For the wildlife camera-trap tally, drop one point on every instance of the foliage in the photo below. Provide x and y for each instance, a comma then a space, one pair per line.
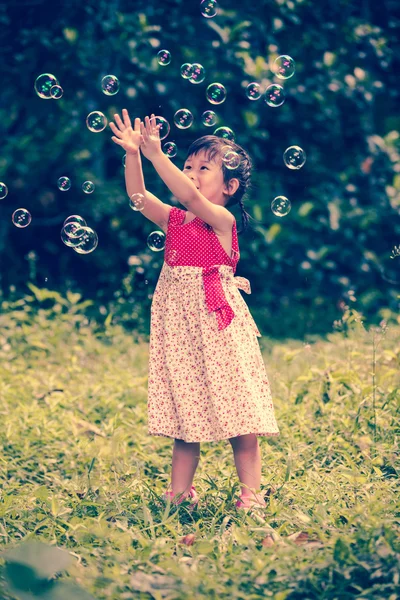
80, 472
341, 108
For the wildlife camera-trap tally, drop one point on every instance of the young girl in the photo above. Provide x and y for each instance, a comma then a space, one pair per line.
207, 380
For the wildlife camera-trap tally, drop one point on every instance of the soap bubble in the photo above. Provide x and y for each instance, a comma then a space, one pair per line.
280, 206
284, 67
183, 118
197, 73
170, 149
231, 159
164, 57
88, 187
137, 201
124, 160
209, 118
165, 127
71, 240
209, 8
21, 217
156, 241
274, 95
110, 85
75, 219
87, 242
216, 93
71, 228
253, 91
96, 121
186, 70
56, 92
71, 233
225, 132
43, 85
3, 190
294, 157
64, 184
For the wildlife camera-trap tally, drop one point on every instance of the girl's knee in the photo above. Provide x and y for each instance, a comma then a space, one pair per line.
249, 440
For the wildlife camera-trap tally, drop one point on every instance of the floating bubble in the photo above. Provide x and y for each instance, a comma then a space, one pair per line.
71, 228
216, 93
294, 157
124, 160
70, 239
274, 95
64, 184
165, 127
88, 187
209, 118
281, 206
253, 91
225, 132
197, 73
170, 149
110, 85
43, 85
164, 57
87, 242
137, 201
21, 217
3, 190
75, 219
186, 69
284, 67
56, 92
183, 118
96, 121
231, 159
156, 241
209, 8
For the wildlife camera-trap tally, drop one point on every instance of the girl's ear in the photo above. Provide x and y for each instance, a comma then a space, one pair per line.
233, 186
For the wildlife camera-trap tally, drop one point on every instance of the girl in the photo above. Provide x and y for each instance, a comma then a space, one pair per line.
207, 380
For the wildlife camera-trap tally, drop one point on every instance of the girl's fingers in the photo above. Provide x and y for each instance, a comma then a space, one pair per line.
137, 124
127, 120
115, 131
117, 141
119, 122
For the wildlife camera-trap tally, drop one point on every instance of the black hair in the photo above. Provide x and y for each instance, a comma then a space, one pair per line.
213, 146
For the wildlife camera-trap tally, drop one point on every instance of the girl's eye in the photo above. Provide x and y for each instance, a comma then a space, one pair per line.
204, 167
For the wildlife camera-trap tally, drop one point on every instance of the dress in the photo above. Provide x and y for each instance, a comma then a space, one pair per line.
207, 380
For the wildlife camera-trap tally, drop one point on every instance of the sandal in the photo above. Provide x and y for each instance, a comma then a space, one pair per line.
191, 495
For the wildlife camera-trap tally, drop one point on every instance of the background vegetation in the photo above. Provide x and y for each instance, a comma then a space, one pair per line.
334, 247
79, 471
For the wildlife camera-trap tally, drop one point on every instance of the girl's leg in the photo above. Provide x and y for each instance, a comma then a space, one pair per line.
185, 458
247, 456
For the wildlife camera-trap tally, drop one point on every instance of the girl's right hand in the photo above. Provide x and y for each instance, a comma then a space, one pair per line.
130, 139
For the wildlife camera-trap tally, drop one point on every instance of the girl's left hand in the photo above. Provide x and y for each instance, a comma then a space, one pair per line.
151, 145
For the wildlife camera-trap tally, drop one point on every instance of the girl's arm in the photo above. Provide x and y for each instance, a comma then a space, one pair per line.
134, 180
180, 185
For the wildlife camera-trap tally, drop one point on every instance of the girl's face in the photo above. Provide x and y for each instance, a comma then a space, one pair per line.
207, 177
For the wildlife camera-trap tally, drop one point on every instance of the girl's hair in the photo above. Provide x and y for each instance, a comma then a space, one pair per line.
213, 145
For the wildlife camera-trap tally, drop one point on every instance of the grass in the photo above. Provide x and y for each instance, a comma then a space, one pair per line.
79, 471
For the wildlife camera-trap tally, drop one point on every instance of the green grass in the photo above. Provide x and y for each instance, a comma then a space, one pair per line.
79, 471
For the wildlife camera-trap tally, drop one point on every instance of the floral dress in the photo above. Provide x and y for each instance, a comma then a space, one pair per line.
206, 378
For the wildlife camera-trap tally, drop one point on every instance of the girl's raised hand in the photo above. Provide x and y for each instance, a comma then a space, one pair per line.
151, 146
130, 139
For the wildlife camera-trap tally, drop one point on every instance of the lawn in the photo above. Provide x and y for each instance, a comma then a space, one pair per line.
79, 471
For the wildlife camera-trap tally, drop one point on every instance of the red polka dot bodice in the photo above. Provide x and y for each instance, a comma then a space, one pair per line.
196, 244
